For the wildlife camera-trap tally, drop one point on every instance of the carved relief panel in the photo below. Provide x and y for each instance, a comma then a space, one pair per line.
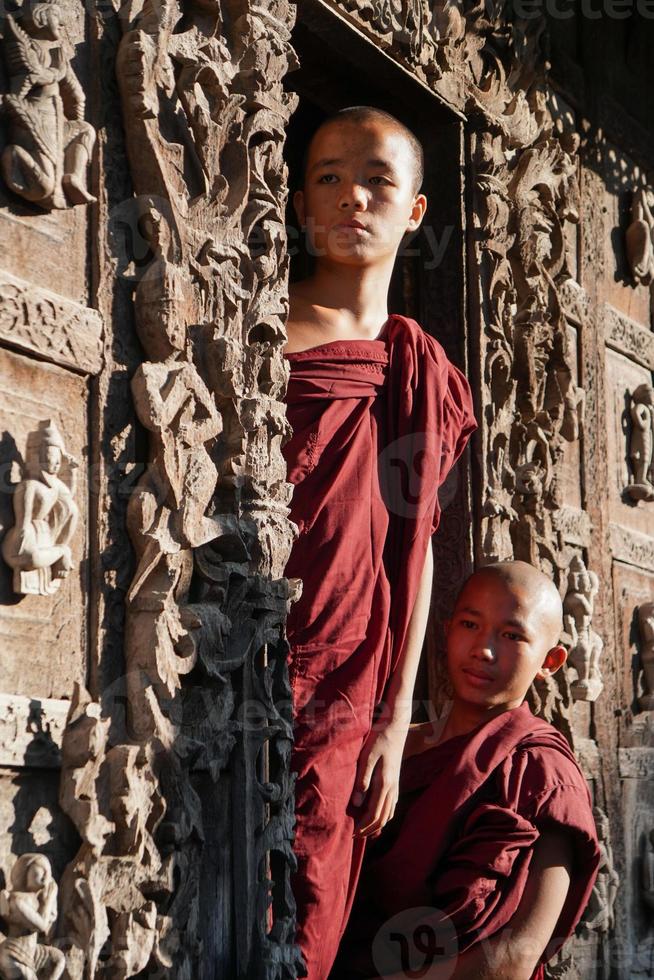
46, 144
51, 346
44, 517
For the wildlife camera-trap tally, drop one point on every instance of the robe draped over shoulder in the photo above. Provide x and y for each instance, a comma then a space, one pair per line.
471, 810
377, 425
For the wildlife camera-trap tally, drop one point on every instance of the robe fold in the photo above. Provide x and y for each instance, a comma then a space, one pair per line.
460, 844
377, 426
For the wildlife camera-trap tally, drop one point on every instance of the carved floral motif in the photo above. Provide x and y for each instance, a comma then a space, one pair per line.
50, 326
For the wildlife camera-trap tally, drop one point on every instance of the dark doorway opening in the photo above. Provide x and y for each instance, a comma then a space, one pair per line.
340, 67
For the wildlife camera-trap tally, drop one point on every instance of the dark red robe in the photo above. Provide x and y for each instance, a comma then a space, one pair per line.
377, 425
461, 841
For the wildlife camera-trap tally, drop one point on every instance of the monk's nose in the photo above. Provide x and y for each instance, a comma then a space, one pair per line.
484, 651
354, 194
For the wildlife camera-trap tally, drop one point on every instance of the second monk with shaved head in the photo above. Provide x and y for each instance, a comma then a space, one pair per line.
489, 862
379, 417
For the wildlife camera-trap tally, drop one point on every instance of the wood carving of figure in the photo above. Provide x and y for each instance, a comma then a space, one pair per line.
641, 446
49, 144
639, 238
600, 913
29, 908
38, 546
586, 646
646, 630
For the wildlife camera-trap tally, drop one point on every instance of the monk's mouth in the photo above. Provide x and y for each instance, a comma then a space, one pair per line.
478, 679
351, 227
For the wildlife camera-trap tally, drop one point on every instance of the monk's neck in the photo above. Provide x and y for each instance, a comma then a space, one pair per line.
465, 717
362, 291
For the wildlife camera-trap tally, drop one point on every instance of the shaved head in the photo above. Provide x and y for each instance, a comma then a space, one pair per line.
357, 114
533, 586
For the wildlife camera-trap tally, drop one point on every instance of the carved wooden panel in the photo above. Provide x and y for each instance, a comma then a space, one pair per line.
624, 376
55, 329
44, 635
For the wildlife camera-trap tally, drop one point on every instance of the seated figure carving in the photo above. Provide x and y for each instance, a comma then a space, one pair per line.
29, 908
38, 546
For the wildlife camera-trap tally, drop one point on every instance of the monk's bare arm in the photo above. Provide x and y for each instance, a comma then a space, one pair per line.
514, 953
398, 696
378, 769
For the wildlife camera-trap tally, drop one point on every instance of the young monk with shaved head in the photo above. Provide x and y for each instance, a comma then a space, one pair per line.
489, 862
379, 417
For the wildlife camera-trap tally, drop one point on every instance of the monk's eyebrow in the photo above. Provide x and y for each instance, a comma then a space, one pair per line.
517, 625
332, 161
376, 162
326, 162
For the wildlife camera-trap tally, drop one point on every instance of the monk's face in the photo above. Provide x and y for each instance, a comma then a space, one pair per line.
501, 637
361, 173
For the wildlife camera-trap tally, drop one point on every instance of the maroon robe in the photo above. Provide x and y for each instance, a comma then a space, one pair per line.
377, 425
461, 841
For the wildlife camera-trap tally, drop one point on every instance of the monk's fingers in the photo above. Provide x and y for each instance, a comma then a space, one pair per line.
373, 808
381, 800
365, 769
376, 825
375, 817
371, 812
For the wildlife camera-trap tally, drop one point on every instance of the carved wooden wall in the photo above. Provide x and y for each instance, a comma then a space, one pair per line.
148, 597
143, 294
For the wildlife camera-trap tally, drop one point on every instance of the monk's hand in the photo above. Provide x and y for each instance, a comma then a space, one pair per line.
377, 779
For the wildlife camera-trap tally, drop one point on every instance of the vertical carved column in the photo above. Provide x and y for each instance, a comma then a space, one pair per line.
531, 406
205, 116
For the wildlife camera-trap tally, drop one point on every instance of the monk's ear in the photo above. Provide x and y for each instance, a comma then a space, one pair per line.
554, 659
298, 204
417, 212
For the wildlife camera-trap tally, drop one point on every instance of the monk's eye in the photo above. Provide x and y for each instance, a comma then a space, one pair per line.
379, 177
323, 179
518, 637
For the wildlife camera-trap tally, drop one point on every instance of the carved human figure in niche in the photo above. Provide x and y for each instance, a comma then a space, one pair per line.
38, 546
646, 651
639, 238
641, 445
49, 144
600, 912
29, 908
647, 871
585, 644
